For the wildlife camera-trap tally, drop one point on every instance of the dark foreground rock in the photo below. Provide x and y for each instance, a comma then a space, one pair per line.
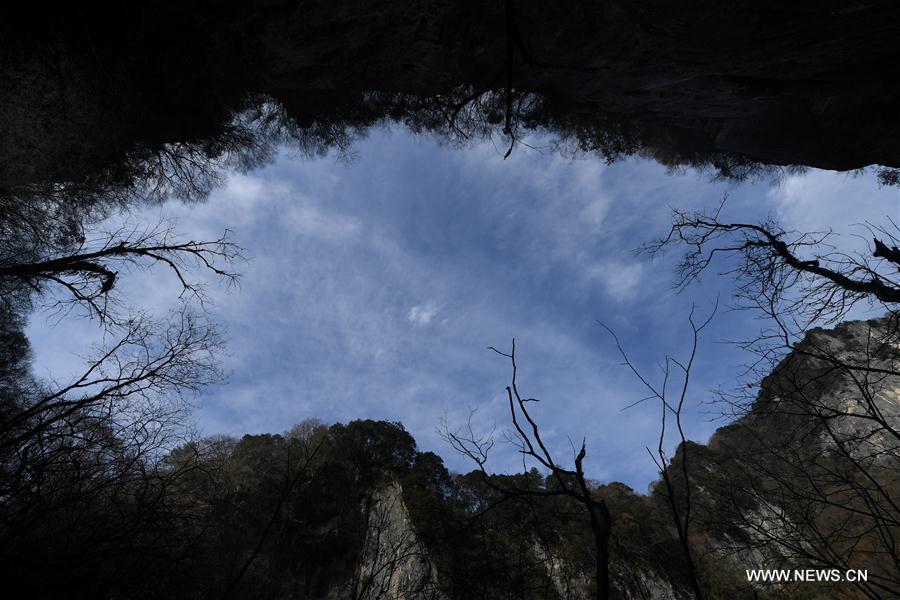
802, 82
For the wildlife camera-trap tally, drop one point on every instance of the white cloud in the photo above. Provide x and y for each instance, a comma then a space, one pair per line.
309, 220
594, 211
620, 280
821, 200
422, 314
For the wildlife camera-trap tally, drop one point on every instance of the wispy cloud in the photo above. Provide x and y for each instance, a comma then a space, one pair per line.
422, 314
620, 280
373, 290
307, 219
823, 200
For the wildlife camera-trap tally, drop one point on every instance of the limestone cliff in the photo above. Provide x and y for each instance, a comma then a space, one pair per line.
394, 564
810, 476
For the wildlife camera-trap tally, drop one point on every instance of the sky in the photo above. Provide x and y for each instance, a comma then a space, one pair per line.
373, 288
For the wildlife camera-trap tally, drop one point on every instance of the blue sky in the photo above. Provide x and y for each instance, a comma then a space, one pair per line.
373, 288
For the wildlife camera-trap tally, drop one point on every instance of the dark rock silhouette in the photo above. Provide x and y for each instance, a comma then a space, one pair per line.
804, 83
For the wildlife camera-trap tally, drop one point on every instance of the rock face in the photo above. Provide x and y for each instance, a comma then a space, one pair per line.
804, 82
632, 582
840, 385
810, 476
801, 481
394, 565
567, 582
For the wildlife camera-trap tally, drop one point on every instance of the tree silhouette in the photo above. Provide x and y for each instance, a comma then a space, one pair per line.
809, 471
680, 507
570, 483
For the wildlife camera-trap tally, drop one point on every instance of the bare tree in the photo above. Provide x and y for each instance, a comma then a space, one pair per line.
679, 501
570, 482
813, 461
81, 463
799, 275
87, 273
83, 473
